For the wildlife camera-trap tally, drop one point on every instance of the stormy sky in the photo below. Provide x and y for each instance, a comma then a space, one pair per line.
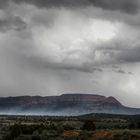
51, 47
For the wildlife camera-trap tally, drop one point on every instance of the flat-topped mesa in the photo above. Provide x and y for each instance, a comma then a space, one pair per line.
81, 97
73, 104
88, 98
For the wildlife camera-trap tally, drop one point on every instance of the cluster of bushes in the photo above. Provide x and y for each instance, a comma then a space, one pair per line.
51, 130
89, 126
134, 125
18, 129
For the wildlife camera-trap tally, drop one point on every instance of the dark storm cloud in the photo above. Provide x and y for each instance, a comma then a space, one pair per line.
39, 62
56, 3
120, 71
130, 55
12, 23
120, 51
127, 6
3, 3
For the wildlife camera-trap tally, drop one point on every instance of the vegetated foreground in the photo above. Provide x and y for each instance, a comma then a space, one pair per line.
87, 127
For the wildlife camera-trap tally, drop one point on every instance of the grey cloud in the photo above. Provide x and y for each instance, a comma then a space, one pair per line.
125, 55
130, 73
56, 3
46, 63
4, 3
82, 68
120, 51
120, 71
130, 55
12, 23
127, 6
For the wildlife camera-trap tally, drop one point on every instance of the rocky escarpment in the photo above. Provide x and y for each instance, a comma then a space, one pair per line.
66, 104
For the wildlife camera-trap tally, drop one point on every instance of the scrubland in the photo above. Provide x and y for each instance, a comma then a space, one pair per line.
69, 128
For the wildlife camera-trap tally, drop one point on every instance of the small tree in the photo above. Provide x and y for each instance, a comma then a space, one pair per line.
138, 124
68, 127
132, 125
89, 126
15, 131
36, 138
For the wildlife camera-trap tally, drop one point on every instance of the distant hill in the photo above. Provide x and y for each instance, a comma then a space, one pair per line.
66, 104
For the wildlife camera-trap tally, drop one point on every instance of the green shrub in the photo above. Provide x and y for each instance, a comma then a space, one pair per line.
36, 138
132, 125
68, 127
89, 126
15, 131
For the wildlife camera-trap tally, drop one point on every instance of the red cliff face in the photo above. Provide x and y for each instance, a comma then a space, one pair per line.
84, 98
71, 98
66, 104
81, 98
112, 101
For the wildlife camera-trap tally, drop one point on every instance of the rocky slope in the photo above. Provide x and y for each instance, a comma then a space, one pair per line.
66, 104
